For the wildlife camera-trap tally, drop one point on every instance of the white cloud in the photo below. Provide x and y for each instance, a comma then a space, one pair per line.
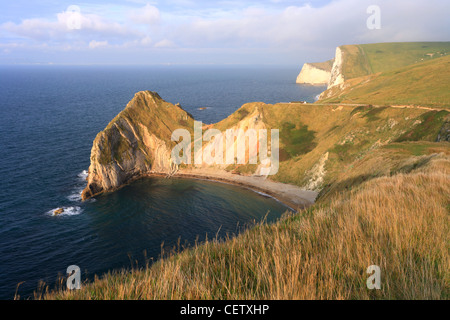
166, 43
37, 29
138, 43
41, 29
98, 44
146, 41
251, 30
148, 15
339, 22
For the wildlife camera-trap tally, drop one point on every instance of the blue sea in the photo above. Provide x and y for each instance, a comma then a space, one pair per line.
49, 116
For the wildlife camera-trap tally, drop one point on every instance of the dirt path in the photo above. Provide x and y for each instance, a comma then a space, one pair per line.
377, 106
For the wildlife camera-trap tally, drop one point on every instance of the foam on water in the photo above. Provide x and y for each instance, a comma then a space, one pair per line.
76, 195
68, 211
83, 175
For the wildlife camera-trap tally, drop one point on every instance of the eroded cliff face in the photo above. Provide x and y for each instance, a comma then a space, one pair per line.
252, 121
315, 73
336, 75
135, 143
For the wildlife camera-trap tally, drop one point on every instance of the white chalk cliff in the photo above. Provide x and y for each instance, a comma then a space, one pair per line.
328, 72
336, 76
314, 73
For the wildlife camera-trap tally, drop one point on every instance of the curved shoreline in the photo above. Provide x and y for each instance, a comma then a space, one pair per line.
285, 202
291, 196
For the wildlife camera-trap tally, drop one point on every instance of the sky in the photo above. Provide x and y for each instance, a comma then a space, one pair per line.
273, 32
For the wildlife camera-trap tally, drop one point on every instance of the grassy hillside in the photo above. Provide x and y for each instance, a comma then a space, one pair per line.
355, 62
384, 57
341, 134
425, 83
364, 59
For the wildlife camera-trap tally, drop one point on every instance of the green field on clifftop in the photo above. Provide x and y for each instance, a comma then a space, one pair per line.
365, 59
384, 57
425, 83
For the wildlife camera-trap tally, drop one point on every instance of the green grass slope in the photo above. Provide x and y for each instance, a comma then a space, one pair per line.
355, 62
384, 57
365, 59
425, 83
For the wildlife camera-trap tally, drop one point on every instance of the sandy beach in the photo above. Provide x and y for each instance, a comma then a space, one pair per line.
293, 196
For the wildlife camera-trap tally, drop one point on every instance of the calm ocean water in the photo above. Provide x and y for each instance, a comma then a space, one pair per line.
49, 117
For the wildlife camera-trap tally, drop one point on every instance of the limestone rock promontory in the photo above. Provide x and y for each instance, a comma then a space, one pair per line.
136, 142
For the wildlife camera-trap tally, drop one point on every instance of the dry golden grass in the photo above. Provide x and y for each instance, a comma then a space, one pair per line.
398, 222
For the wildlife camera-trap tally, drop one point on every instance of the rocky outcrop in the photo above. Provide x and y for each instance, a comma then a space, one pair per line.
316, 174
138, 143
315, 73
444, 133
135, 143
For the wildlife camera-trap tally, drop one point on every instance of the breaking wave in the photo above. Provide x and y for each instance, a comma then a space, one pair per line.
75, 196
